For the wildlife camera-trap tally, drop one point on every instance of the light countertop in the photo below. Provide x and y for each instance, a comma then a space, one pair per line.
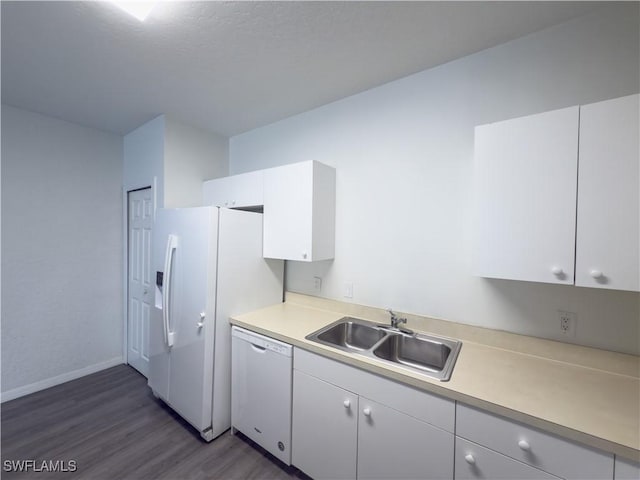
588, 395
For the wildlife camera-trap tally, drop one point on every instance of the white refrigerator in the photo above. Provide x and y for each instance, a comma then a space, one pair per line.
208, 265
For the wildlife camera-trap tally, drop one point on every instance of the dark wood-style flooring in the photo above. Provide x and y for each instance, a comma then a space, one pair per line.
110, 424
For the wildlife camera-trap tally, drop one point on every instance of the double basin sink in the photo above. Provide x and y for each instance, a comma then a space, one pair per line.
426, 354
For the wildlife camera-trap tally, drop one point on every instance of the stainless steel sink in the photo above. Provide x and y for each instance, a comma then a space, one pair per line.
427, 354
420, 351
350, 335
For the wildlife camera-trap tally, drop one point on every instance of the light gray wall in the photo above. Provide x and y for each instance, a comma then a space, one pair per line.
192, 155
403, 154
61, 251
143, 157
175, 158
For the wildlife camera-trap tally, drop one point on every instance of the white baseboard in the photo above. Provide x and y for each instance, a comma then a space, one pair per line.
58, 379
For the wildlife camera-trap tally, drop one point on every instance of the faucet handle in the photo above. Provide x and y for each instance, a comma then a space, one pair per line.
395, 319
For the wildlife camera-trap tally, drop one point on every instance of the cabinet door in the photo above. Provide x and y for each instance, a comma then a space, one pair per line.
607, 241
325, 426
393, 445
299, 212
525, 173
474, 462
626, 470
243, 190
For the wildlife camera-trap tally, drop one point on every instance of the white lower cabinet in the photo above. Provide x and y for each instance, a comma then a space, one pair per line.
626, 470
474, 461
530, 446
348, 424
351, 424
325, 428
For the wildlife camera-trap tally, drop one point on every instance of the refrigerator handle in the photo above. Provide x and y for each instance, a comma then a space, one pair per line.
172, 245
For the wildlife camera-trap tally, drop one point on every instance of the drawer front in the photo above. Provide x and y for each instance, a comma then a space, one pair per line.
473, 461
433, 409
531, 446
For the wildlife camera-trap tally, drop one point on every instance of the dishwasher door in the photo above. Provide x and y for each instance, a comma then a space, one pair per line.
261, 385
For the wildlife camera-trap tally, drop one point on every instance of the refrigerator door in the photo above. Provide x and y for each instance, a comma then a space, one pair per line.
246, 282
181, 365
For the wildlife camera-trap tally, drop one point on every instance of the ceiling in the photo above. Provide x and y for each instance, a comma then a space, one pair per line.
230, 67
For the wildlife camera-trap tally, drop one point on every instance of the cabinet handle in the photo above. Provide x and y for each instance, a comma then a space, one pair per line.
233, 202
557, 271
200, 324
524, 445
596, 274
367, 412
347, 403
304, 254
469, 459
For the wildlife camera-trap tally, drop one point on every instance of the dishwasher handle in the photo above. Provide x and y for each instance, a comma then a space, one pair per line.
261, 343
257, 348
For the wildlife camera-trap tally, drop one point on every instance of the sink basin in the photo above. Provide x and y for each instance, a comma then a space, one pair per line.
350, 334
414, 351
429, 355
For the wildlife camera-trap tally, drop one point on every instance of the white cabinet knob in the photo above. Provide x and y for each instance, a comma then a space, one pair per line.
367, 412
233, 202
347, 403
304, 254
596, 273
226, 204
524, 445
469, 459
557, 271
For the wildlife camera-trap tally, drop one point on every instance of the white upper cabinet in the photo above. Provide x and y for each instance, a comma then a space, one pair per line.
299, 202
236, 191
525, 172
299, 212
557, 196
607, 239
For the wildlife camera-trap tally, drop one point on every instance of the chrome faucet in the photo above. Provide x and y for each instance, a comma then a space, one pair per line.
395, 320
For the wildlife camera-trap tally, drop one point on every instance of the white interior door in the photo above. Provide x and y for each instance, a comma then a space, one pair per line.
140, 286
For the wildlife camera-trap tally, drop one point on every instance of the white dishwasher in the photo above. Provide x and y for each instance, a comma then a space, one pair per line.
261, 381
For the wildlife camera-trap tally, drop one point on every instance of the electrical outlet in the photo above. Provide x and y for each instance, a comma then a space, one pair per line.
348, 290
317, 283
568, 322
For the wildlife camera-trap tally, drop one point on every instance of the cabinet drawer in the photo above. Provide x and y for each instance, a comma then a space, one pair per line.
534, 447
474, 461
430, 408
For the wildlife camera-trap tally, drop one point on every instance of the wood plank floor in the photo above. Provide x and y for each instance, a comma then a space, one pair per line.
110, 424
